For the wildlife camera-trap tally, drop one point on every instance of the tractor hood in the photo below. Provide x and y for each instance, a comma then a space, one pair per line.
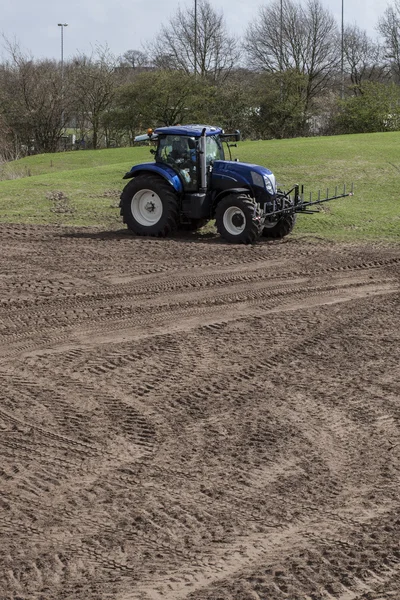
227, 174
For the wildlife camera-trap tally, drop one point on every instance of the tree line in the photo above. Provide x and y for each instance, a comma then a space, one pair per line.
293, 73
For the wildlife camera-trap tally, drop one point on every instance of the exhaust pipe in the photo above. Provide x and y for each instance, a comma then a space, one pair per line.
203, 162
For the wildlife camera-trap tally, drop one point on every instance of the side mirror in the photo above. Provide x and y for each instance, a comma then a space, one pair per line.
229, 136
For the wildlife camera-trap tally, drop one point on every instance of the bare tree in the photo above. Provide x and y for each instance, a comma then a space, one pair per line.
289, 36
363, 58
136, 59
156, 98
389, 28
196, 43
31, 100
9, 149
95, 80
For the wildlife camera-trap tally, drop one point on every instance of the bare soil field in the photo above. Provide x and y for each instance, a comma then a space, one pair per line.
189, 419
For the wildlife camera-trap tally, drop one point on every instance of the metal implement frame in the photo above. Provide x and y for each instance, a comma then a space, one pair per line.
300, 206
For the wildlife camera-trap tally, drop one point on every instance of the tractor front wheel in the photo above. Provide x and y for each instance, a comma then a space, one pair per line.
149, 206
238, 219
280, 227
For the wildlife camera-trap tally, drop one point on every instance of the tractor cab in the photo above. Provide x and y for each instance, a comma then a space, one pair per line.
181, 152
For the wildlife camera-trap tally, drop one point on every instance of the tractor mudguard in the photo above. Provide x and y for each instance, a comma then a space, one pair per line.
163, 170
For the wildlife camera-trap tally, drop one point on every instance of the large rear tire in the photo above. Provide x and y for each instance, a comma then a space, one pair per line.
238, 219
280, 227
149, 206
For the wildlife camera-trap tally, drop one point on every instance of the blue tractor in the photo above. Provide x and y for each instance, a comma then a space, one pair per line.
190, 183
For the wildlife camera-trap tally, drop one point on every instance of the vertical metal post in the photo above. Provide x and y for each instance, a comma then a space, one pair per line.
281, 37
203, 161
281, 50
62, 25
62, 52
342, 54
195, 37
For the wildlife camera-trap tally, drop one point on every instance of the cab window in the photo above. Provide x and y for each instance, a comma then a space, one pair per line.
180, 153
214, 150
175, 150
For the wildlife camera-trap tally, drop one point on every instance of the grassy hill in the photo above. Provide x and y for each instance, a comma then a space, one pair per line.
83, 187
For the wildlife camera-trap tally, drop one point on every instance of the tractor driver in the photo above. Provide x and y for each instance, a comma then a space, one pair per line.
183, 157
180, 150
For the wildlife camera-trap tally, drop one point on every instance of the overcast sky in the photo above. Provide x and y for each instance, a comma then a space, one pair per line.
125, 24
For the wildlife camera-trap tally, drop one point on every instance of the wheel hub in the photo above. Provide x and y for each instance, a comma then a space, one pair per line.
237, 219
150, 207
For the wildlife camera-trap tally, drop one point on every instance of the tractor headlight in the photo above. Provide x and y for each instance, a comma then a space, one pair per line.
257, 179
270, 184
264, 181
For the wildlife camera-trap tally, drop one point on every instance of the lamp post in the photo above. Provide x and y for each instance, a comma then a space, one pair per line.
281, 49
62, 25
195, 37
281, 37
342, 54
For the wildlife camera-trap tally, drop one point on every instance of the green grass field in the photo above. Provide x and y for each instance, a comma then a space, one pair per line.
82, 187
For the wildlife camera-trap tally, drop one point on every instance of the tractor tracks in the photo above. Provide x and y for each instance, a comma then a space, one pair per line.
138, 306
184, 419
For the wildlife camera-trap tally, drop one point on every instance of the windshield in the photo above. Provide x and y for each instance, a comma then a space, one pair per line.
214, 150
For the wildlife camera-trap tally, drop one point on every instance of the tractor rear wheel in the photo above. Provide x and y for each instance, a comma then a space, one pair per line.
280, 227
238, 219
149, 206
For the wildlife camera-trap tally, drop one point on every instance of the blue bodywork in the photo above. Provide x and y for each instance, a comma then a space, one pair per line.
161, 169
226, 174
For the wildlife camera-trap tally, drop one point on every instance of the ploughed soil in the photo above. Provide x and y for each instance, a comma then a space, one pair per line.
187, 419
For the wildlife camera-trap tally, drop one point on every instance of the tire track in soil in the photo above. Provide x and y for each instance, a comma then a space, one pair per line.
195, 304
239, 441
312, 560
179, 284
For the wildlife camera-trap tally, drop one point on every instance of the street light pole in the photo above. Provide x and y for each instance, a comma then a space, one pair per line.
342, 53
281, 37
281, 49
62, 25
195, 37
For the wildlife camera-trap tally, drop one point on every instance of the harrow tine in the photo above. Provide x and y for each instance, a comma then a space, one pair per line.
302, 206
